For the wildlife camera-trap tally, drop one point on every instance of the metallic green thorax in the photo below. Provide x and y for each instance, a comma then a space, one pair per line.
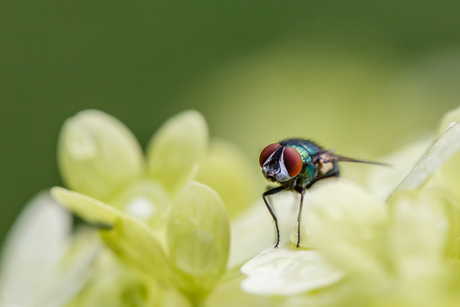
306, 150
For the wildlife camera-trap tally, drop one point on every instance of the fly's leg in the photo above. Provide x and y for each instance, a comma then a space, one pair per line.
332, 173
299, 217
264, 196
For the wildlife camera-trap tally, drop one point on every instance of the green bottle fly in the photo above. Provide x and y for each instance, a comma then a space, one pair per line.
296, 164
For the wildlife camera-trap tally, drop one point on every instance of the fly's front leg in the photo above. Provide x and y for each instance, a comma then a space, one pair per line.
264, 196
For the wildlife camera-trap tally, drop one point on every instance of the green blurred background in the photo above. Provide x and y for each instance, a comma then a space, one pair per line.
360, 76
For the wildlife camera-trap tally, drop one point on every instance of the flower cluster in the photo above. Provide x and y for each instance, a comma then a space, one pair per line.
166, 236
176, 226
358, 250
172, 231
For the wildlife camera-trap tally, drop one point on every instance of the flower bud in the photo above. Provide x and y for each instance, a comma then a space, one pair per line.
198, 238
176, 151
97, 154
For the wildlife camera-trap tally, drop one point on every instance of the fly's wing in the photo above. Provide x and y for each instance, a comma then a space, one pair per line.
328, 156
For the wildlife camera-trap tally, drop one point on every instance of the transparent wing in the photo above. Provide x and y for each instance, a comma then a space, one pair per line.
328, 156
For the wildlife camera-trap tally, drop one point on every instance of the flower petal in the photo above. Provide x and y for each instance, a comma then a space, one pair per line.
130, 238
254, 230
228, 171
423, 227
134, 242
230, 294
91, 210
383, 180
32, 258
449, 174
115, 284
448, 120
198, 238
177, 149
146, 200
69, 278
343, 222
286, 272
97, 154
442, 150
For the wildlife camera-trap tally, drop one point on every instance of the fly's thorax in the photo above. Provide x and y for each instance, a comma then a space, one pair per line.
305, 148
306, 153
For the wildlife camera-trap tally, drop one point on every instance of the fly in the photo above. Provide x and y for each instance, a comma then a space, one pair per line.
296, 164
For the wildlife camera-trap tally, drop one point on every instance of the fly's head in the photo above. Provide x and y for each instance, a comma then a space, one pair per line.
280, 163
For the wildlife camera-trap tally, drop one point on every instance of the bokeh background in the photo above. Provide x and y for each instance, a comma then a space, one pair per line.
360, 76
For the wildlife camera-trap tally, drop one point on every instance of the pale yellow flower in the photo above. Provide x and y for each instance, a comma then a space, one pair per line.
400, 252
172, 231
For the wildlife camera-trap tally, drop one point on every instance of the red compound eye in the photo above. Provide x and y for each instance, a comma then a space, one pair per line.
292, 161
267, 152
